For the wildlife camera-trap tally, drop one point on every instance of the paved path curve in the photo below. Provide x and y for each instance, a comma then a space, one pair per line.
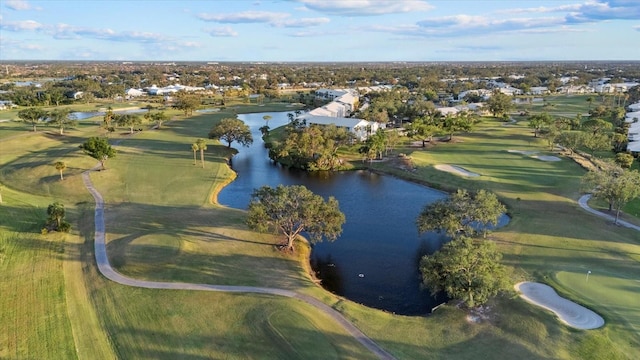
105, 268
583, 201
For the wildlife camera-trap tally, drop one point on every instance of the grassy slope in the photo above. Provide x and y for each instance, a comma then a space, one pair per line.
33, 314
161, 227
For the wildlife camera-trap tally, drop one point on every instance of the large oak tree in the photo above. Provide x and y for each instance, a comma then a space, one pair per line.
462, 214
500, 104
32, 116
465, 269
231, 130
291, 210
99, 149
62, 118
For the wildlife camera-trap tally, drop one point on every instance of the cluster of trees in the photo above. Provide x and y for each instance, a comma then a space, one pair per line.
604, 129
60, 118
187, 102
109, 80
467, 268
379, 143
310, 147
425, 127
613, 184
132, 121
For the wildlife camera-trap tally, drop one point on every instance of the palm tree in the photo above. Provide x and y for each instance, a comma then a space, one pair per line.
60, 166
202, 146
590, 101
194, 147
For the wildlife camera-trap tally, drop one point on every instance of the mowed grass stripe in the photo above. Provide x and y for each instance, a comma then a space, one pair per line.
34, 315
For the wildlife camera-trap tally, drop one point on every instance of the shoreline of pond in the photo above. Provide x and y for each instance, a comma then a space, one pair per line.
392, 284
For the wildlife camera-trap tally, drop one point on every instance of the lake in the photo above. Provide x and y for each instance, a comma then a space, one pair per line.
375, 260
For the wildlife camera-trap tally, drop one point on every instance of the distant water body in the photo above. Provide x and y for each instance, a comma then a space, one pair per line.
83, 115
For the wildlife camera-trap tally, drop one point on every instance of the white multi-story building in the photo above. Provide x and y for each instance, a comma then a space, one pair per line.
345, 101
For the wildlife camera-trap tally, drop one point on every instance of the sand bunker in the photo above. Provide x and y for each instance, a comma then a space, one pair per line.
546, 158
570, 313
456, 170
533, 155
523, 152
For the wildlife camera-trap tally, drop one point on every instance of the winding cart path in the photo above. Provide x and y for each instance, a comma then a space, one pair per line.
583, 201
105, 268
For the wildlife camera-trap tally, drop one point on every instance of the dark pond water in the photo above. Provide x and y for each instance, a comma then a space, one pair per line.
375, 260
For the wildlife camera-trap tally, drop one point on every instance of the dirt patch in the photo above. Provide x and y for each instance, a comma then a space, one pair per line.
403, 162
480, 314
586, 161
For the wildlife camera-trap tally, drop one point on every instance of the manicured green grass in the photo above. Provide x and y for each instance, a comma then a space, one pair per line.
562, 105
548, 233
33, 310
161, 226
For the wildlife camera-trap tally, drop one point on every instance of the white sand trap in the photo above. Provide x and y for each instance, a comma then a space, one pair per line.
546, 158
455, 170
570, 313
523, 152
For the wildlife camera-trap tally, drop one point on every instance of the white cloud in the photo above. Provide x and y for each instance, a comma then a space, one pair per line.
636, 28
562, 29
314, 33
31, 47
275, 19
366, 7
190, 44
542, 9
64, 31
24, 25
595, 11
225, 31
245, 17
477, 25
303, 22
19, 5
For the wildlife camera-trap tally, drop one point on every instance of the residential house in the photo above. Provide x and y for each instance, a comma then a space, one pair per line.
360, 128
575, 89
6, 104
539, 90
510, 90
447, 111
131, 93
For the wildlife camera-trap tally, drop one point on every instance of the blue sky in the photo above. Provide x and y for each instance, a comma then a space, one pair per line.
319, 30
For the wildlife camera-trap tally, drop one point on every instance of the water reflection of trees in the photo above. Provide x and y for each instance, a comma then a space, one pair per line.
326, 270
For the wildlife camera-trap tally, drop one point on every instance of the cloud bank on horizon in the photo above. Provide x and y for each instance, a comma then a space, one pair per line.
320, 30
